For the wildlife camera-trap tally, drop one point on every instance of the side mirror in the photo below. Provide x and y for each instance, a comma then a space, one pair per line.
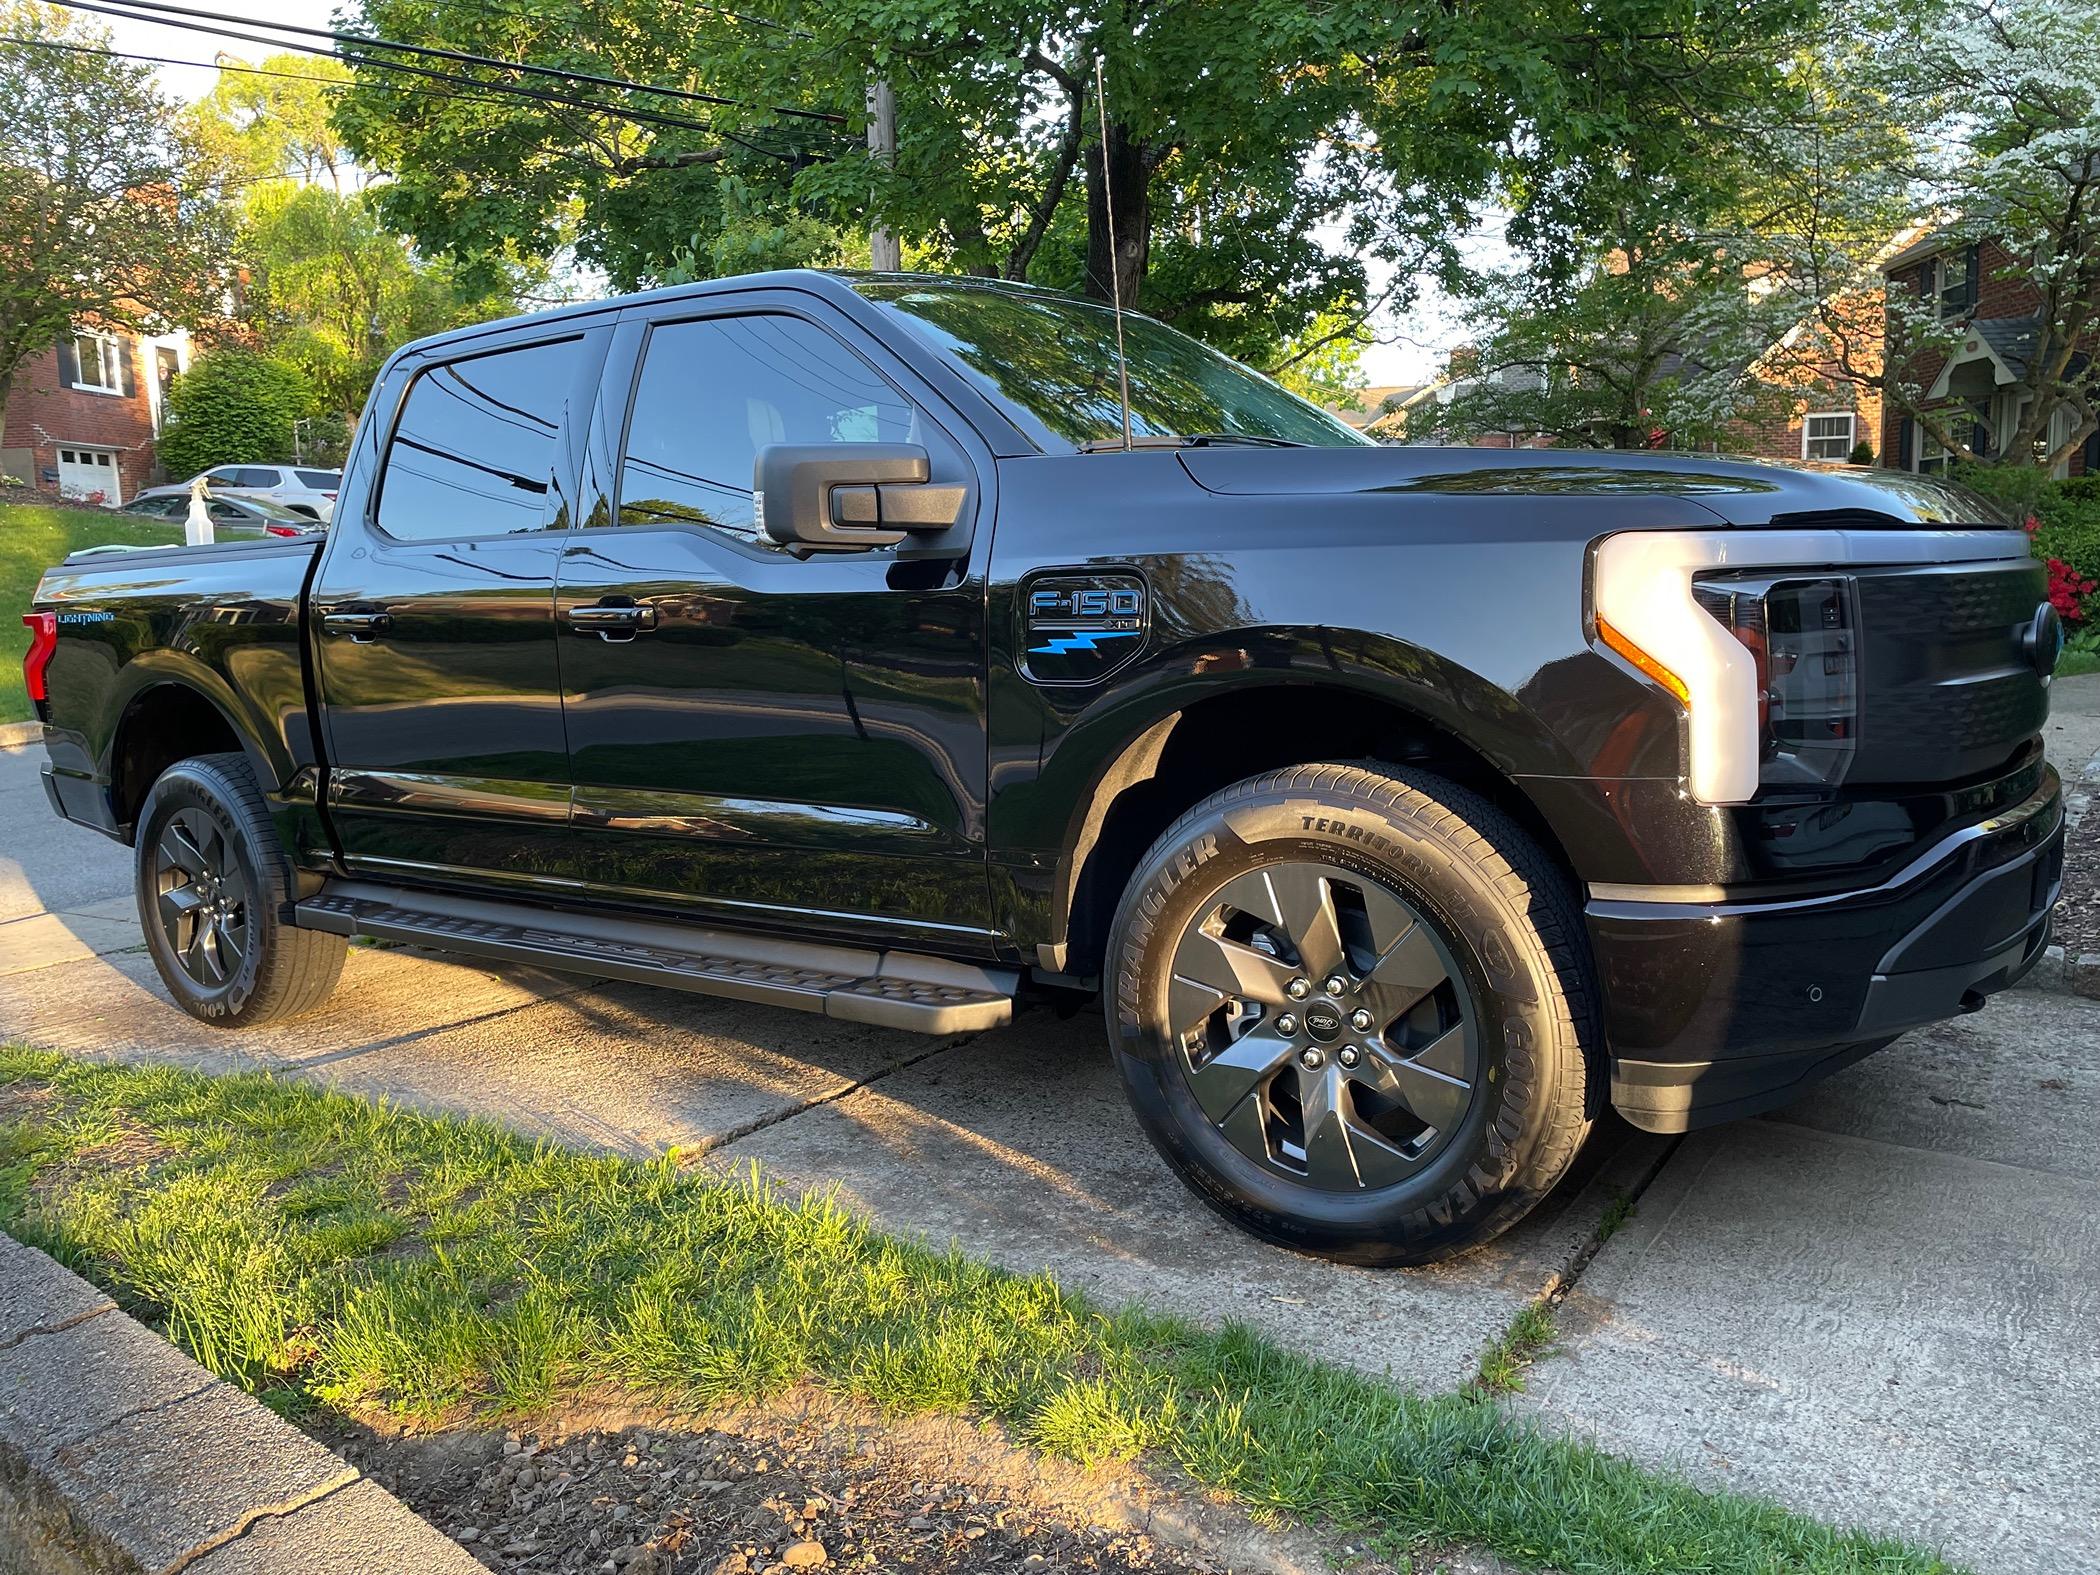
850, 496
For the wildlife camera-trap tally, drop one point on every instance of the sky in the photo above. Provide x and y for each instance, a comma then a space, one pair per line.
1412, 346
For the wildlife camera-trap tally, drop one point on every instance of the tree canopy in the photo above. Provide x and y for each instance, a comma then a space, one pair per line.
102, 218
1981, 118
1265, 160
326, 289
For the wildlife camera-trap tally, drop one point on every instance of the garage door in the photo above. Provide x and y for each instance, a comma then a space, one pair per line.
83, 472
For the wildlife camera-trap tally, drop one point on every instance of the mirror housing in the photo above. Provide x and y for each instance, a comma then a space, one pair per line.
848, 497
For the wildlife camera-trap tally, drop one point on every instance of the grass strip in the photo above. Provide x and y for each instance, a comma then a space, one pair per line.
325, 1251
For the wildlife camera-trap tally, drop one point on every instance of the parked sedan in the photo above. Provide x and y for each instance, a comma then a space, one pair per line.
231, 518
301, 488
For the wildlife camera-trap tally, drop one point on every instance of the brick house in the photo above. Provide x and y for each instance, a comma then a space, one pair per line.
1973, 284
83, 416
1806, 414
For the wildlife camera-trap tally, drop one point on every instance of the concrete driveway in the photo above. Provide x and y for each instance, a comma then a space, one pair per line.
1881, 1306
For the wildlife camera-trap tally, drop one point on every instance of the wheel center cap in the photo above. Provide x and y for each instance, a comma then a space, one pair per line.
1324, 1023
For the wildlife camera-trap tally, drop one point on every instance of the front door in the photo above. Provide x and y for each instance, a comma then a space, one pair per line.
433, 615
787, 741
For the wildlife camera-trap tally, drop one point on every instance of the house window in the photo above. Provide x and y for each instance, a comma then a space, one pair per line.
1951, 284
1827, 436
101, 362
1932, 458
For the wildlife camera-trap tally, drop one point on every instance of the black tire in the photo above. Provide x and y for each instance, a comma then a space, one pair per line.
1462, 1112
213, 885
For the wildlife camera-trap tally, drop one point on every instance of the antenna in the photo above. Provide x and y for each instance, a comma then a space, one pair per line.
1115, 274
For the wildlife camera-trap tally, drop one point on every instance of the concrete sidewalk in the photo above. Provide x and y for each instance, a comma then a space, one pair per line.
1878, 1306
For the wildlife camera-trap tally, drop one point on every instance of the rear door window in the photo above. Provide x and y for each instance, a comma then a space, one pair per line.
253, 476
712, 393
321, 480
473, 453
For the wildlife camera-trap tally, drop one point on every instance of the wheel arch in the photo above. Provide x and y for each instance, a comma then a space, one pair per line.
171, 715
1174, 761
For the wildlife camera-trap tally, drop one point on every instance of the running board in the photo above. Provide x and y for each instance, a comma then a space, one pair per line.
892, 989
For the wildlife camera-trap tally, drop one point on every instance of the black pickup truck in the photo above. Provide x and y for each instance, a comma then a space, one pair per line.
825, 640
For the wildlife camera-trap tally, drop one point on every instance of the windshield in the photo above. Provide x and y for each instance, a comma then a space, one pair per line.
1049, 362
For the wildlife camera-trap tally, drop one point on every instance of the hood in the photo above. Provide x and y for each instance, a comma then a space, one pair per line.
1738, 491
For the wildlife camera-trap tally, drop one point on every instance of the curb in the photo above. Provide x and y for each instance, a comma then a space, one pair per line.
2058, 973
121, 1456
13, 735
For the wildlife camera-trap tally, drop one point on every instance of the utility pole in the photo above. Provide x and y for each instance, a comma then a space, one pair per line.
885, 254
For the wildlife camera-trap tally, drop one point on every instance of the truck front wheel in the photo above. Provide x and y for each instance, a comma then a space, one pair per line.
213, 884
1354, 1009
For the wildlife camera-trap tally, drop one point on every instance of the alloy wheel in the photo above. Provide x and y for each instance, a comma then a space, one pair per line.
1323, 1026
202, 898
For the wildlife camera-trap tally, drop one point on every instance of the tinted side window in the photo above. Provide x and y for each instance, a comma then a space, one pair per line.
320, 480
473, 453
255, 478
713, 393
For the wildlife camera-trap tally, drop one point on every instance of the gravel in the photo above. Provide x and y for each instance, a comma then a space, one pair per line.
744, 1499
2077, 927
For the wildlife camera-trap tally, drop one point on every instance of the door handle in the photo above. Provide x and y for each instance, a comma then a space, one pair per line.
358, 625
620, 621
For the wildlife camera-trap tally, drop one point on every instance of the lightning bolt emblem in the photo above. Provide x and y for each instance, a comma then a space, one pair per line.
1081, 640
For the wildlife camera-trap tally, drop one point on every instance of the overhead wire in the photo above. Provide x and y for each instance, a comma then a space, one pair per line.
162, 10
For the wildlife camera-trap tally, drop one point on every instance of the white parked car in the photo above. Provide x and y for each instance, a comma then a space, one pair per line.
304, 489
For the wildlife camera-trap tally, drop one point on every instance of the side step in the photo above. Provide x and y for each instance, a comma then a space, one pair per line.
889, 988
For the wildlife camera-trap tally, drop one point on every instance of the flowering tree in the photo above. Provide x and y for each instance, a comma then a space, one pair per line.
1983, 118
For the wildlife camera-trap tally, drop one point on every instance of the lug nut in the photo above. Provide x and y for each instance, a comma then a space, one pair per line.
1361, 1021
1335, 984
1298, 989
1286, 1024
1349, 1055
1310, 1058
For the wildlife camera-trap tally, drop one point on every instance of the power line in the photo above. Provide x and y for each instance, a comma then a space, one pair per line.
457, 56
253, 71
508, 89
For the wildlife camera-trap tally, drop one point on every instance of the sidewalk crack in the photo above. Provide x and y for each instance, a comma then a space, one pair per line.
258, 1513
60, 1327
735, 1134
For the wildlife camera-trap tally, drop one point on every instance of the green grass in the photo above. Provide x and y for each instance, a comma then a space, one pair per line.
1529, 1336
2074, 663
34, 536
324, 1251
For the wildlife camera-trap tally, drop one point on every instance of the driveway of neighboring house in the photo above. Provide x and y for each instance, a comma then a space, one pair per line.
1877, 1306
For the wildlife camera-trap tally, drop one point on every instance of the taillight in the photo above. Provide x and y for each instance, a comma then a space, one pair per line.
282, 530
1801, 633
43, 640
330, 496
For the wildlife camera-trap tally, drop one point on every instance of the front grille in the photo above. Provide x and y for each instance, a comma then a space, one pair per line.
1948, 689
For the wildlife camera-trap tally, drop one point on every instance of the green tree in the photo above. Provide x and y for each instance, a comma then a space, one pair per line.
1263, 158
1980, 118
232, 407
1655, 341
328, 289
101, 217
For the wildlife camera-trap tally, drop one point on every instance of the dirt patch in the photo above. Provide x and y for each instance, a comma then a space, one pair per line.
810, 1483
2077, 926
27, 1100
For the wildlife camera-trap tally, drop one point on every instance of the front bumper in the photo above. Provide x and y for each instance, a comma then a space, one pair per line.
1721, 1009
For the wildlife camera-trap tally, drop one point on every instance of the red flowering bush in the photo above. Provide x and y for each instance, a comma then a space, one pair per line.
2068, 590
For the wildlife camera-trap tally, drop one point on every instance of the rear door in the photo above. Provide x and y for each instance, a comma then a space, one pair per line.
792, 741
433, 616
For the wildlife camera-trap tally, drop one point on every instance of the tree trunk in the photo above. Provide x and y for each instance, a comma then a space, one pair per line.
1129, 184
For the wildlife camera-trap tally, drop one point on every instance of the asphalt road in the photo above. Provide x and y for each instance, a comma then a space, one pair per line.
1879, 1306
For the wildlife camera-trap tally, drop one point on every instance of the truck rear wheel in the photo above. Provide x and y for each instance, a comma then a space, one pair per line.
213, 884
1354, 1010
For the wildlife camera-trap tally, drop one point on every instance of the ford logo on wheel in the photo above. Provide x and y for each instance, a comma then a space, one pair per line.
1323, 1023
2043, 640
